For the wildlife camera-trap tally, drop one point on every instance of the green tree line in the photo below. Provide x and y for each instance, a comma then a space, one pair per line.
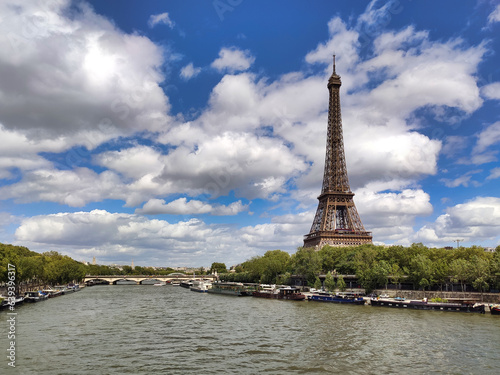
32, 267
376, 266
52, 268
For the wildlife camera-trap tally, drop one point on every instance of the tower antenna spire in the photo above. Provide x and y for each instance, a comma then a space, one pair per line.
334, 64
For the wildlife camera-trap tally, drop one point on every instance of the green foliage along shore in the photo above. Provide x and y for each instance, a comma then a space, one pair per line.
52, 268
47, 268
376, 266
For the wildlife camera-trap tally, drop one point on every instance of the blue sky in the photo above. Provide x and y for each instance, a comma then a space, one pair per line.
183, 133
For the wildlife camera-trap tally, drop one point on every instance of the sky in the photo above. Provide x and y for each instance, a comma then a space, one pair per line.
183, 132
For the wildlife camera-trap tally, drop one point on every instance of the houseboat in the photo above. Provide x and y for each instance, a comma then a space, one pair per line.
231, 288
344, 298
495, 309
201, 286
459, 306
35, 296
271, 291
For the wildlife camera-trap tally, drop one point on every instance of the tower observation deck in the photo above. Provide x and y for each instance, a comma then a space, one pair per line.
337, 222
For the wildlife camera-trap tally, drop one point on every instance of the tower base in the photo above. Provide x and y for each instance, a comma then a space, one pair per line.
337, 238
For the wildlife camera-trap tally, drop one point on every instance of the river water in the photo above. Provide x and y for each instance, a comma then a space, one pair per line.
143, 329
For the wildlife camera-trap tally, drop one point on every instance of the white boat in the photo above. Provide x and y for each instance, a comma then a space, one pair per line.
161, 283
201, 286
35, 296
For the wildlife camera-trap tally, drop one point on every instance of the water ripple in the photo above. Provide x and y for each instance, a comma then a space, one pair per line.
149, 330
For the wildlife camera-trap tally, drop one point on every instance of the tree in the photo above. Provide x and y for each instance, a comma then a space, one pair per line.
307, 263
218, 267
479, 273
421, 271
396, 274
317, 283
341, 283
329, 282
274, 263
370, 272
495, 269
284, 279
459, 270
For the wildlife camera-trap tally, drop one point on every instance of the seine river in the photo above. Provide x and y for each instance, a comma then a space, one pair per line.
143, 329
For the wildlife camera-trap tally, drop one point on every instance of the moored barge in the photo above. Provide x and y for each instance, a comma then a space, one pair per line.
495, 309
231, 288
288, 293
344, 298
464, 306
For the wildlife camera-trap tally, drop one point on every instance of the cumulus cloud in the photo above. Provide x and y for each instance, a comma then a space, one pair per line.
491, 91
133, 162
68, 77
74, 188
233, 60
475, 220
182, 206
162, 18
116, 237
252, 166
391, 215
189, 71
343, 42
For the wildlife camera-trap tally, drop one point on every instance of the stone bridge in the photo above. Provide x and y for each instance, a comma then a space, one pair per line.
139, 279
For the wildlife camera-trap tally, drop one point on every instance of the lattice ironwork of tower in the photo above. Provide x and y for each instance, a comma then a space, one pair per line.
337, 222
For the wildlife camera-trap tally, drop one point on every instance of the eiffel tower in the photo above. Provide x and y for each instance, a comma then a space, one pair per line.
337, 222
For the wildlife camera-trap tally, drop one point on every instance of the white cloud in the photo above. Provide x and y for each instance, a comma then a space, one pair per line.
233, 60
488, 137
118, 237
68, 78
134, 162
252, 166
249, 165
390, 216
494, 173
74, 188
189, 71
495, 15
475, 220
464, 180
483, 152
453, 145
162, 18
182, 206
343, 43
491, 91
